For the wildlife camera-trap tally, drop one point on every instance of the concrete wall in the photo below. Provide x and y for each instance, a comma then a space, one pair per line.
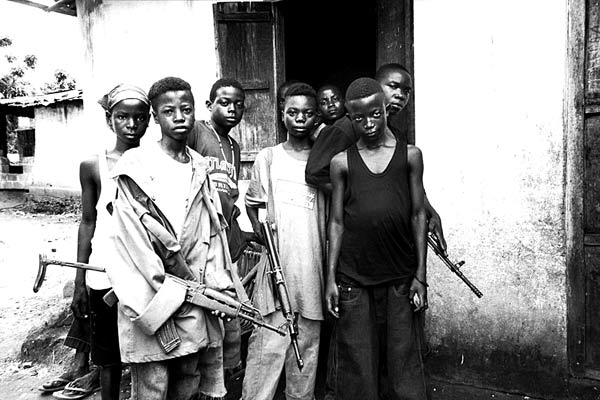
60, 143
489, 79
129, 43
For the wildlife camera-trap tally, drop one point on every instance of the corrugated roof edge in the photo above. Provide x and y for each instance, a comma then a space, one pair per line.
43, 100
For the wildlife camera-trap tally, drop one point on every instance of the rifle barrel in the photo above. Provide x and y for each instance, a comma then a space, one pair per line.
452, 266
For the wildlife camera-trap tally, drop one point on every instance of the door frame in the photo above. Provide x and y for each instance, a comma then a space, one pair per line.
574, 113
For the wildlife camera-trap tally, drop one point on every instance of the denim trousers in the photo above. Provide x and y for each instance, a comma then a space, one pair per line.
269, 353
375, 351
194, 376
79, 335
232, 341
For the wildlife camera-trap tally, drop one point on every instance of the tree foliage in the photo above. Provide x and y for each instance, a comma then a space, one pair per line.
62, 81
13, 79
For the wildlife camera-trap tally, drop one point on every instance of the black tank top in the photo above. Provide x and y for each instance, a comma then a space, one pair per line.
377, 245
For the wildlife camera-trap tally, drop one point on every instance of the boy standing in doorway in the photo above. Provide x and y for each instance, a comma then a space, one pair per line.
296, 211
396, 82
376, 274
330, 101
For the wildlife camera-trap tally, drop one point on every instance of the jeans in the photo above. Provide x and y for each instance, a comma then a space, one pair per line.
79, 335
269, 353
181, 378
232, 341
374, 348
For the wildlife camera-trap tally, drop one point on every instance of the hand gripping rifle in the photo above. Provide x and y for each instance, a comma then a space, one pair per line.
197, 294
282, 292
454, 267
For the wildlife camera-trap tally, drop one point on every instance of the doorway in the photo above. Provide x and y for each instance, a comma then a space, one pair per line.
332, 43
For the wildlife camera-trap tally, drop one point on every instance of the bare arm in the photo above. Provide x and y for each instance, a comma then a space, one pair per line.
419, 224
252, 213
434, 222
338, 172
88, 174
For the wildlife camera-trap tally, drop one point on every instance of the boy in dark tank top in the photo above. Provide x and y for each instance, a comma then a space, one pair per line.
376, 273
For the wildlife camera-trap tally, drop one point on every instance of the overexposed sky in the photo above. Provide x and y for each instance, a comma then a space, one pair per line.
53, 38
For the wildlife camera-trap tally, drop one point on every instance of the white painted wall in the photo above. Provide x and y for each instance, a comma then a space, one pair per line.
489, 78
59, 142
139, 45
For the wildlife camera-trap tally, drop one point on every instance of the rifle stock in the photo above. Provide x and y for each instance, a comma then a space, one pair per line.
282, 291
454, 267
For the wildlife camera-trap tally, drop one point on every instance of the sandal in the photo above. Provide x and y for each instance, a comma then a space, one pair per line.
72, 392
56, 384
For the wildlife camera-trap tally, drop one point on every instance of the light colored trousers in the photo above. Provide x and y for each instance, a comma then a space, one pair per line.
269, 353
197, 375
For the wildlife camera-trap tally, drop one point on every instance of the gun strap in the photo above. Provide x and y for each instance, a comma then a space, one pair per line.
214, 216
271, 198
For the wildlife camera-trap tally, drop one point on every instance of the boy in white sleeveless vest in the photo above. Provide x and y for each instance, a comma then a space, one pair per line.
127, 115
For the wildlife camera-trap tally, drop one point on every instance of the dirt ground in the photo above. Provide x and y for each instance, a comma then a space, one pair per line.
26, 230
23, 236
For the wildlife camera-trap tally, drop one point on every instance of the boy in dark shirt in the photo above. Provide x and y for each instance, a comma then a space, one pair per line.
212, 140
330, 106
377, 255
396, 83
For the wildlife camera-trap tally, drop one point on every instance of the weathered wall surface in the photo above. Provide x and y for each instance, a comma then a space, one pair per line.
489, 79
59, 139
129, 43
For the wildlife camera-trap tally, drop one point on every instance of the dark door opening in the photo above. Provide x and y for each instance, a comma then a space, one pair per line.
332, 43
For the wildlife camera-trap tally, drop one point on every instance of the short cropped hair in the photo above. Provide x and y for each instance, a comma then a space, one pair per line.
223, 82
301, 89
284, 86
331, 87
363, 87
387, 68
168, 84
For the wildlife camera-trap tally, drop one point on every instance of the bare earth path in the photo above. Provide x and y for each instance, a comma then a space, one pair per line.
23, 236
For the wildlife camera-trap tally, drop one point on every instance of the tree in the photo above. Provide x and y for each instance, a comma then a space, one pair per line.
62, 81
12, 83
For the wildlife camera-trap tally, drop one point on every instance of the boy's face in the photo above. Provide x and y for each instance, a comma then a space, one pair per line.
331, 104
299, 115
368, 116
397, 87
129, 119
228, 107
174, 112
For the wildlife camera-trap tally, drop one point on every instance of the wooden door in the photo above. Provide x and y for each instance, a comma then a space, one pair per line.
591, 198
250, 48
395, 44
582, 116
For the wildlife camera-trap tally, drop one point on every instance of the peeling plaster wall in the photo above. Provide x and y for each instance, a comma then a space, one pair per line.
130, 43
489, 80
58, 136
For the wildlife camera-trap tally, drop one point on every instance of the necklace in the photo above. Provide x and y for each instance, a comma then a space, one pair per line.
221, 144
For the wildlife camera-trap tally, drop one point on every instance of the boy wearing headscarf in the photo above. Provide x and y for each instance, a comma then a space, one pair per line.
127, 112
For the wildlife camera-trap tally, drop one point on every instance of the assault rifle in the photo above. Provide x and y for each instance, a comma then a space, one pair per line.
197, 294
454, 267
281, 291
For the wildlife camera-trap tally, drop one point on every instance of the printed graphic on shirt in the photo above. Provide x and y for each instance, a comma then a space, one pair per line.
296, 194
222, 174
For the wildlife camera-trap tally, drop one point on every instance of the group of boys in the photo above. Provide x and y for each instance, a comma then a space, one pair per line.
164, 213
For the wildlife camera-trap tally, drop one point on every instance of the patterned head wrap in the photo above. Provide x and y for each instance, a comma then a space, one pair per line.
123, 92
